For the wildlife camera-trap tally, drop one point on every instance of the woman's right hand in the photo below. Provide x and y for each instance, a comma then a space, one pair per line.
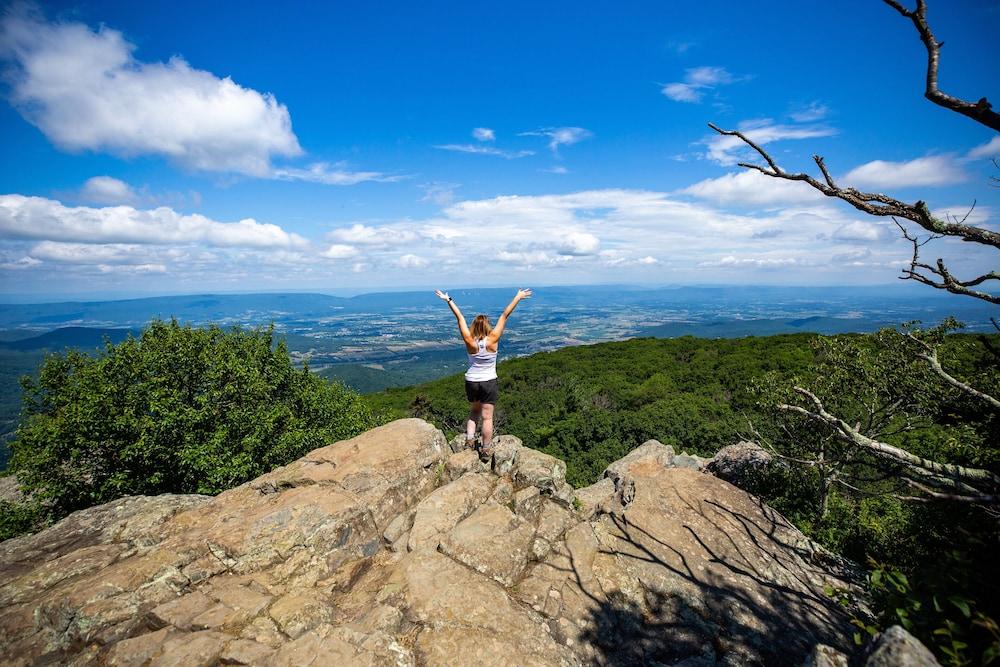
524, 293
442, 295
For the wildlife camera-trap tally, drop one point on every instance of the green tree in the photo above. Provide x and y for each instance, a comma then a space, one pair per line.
177, 409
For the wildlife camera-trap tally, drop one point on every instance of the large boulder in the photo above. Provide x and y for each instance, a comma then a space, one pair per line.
492, 540
388, 549
898, 648
650, 454
441, 511
535, 468
744, 464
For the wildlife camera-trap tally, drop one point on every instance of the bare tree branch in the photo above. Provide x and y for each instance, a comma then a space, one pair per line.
985, 498
981, 111
948, 282
873, 203
878, 204
940, 475
929, 354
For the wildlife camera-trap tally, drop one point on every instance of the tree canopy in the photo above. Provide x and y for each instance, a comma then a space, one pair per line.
177, 409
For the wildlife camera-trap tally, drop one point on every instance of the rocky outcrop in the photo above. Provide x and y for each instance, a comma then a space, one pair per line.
893, 648
742, 464
391, 549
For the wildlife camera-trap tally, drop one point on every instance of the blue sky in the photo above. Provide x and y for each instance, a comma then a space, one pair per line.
181, 148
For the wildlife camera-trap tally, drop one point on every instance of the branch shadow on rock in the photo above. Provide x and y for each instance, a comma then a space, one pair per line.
748, 609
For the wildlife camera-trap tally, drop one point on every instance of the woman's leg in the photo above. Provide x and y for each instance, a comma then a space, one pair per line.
487, 409
475, 409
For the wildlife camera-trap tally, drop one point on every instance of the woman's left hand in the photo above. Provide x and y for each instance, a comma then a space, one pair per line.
442, 295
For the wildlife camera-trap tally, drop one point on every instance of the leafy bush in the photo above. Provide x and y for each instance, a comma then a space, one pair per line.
178, 409
20, 518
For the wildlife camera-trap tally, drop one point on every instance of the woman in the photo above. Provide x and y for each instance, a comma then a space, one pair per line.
481, 344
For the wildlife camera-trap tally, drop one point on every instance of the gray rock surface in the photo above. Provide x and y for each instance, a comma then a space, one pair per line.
826, 656
898, 648
505, 452
595, 498
390, 549
649, 453
441, 511
741, 464
535, 468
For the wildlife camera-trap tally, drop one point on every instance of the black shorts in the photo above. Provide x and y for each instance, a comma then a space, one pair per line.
482, 392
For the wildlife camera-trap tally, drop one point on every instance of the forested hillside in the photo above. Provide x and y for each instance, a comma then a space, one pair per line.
590, 405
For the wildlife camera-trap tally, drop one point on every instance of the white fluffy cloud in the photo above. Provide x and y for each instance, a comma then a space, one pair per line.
990, 149
340, 251
85, 90
752, 188
612, 234
411, 261
366, 235
39, 218
924, 171
483, 134
89, 253
860, 231
697, 81
107, 190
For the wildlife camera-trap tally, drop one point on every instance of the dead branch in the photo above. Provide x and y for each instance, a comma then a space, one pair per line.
985, 498
929, 354
873, 203
939, 475
948, 282
878, 204
981, 111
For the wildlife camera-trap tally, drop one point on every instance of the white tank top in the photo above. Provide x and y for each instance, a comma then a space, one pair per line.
482, 364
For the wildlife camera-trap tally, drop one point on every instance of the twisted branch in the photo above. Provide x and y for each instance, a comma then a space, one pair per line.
878, 204
929, 354
873, 203
981, 111
948, 282
939, 475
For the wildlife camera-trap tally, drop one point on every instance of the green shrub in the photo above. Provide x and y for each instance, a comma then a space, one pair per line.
20, 518
178, 409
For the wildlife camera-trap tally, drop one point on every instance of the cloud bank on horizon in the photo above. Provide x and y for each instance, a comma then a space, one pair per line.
559, 206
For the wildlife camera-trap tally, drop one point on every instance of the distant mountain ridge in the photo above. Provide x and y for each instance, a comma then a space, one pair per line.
233, 308
78, 337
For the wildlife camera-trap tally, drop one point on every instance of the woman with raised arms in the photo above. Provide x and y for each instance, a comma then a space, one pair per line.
482, 343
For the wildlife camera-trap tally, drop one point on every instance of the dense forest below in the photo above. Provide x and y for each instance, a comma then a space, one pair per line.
590, 405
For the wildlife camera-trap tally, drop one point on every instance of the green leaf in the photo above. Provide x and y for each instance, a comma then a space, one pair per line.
962, 604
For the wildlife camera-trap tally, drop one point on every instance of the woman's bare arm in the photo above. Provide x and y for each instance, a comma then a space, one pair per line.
463, 328
502, 322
